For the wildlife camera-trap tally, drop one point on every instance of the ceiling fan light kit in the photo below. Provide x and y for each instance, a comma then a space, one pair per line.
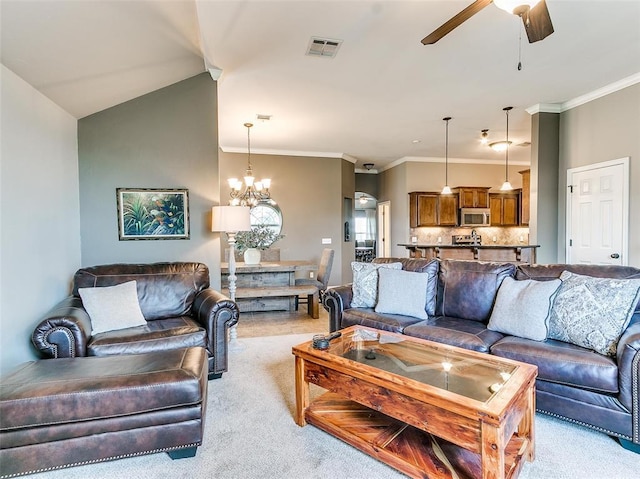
516, 7
534, 13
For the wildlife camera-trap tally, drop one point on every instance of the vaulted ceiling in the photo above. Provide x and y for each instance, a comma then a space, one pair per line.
381, 99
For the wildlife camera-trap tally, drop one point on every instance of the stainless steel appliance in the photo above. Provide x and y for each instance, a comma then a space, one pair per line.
472, 239
475, 217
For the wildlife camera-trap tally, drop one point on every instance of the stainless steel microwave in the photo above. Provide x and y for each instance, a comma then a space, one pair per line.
475, 217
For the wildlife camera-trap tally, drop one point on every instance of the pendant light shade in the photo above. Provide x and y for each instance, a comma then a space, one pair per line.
506, 186
446, 190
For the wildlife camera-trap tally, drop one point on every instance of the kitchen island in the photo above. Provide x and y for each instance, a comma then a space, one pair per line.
518, 253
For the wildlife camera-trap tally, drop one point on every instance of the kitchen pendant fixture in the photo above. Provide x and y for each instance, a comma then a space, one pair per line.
254, 191
446, 190
506, 186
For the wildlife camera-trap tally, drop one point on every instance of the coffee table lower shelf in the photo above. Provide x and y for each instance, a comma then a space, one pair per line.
407, 449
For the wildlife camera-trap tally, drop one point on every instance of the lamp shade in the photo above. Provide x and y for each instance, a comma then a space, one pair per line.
230, 219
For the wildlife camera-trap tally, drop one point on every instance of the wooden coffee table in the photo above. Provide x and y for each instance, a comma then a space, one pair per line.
424, 408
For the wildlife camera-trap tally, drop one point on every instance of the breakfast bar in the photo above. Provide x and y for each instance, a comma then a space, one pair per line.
518, 253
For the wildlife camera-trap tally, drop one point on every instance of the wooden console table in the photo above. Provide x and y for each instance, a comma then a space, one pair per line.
269, 286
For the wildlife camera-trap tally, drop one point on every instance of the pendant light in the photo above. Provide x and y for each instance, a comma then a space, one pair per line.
446, 190
506, 186
254, 191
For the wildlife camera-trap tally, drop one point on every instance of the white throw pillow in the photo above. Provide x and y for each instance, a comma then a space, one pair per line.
402, 292
112, 307
522, 308
365, 282
593, 312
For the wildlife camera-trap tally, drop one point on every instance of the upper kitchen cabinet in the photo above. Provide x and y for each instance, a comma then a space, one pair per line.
473, 196
432, 209
448, 210
505, 208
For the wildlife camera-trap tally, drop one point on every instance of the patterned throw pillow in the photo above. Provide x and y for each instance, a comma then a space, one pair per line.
365, 283
593, 312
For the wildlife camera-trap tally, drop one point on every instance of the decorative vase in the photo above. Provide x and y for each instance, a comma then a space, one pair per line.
252, 256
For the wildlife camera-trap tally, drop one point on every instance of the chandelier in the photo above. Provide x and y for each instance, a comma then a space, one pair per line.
251, 192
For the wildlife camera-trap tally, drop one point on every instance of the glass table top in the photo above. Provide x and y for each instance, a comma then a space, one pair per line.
450, 369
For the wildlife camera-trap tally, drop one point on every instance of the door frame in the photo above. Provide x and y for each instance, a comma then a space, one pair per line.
624, 161
384, 228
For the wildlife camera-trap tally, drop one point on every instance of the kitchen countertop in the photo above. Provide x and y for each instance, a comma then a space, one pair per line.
483, 246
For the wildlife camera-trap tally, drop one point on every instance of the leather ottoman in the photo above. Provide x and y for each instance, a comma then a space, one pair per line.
66, 412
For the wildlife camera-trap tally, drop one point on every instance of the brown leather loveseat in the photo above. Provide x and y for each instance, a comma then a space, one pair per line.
574, 383
180, 310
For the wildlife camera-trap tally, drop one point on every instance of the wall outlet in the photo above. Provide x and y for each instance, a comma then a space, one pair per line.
495, 239
414, 239
326, 240
311, 274
439, 239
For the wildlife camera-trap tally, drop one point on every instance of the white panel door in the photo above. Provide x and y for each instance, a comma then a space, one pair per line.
597, 207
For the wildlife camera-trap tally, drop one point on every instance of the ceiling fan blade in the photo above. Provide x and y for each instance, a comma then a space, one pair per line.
537, 22
455, 21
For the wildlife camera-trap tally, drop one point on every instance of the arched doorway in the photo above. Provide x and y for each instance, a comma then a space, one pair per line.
365, 228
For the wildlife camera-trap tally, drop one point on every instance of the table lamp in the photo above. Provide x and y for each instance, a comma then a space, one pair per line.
230, 220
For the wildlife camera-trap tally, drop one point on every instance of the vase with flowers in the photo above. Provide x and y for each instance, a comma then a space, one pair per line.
251, 242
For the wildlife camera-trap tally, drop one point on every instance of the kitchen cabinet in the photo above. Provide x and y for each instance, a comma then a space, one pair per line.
423, 209
473, 196
525, 197
448, 210
432, 209
505, 208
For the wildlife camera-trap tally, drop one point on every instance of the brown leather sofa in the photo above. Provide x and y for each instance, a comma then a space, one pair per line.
574, 383
180, 309
76, 411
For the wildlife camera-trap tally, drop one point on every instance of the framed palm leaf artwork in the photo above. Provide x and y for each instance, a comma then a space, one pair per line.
152, 214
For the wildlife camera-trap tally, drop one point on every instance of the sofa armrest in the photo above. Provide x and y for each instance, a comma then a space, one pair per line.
216, 313
335, 300
64, 331
628, 357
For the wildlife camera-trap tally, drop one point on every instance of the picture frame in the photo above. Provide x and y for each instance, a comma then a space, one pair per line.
153, 213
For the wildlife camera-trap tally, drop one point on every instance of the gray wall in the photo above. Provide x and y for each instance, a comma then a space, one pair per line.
393, 188
308, 192
543, 224
40, 232
604, 129
165, 139
348, 185
367, 183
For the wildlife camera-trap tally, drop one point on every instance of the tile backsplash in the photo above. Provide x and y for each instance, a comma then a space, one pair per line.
490, 235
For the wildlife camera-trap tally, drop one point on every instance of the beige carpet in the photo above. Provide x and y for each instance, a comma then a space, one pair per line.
250, 433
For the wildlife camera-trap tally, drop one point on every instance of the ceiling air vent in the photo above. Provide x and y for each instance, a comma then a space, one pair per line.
323, 47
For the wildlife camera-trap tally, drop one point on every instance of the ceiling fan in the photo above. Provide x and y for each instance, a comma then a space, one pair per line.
534, 14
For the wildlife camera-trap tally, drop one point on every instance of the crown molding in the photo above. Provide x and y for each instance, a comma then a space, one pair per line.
266, 151
545, 108
600, 92
586, 98
466, 161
